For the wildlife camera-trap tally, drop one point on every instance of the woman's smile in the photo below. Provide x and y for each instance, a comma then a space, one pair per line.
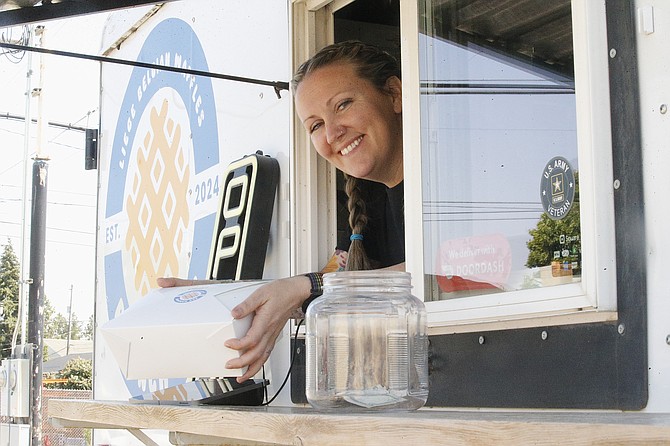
350, 147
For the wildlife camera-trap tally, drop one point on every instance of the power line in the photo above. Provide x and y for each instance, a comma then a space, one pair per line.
91, 206
481, 219
11, 167
447, 202
55, 191
12, 131
52, 228
15, 56
55, 203
54, 124
74, 231
51, 142
85, 245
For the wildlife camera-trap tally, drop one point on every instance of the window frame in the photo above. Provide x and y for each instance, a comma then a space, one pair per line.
312, 185
594, 297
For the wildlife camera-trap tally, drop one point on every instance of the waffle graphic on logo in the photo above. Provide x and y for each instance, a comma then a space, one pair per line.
157, 207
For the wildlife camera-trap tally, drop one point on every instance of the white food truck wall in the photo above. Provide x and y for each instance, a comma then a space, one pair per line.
165, 141
653, 38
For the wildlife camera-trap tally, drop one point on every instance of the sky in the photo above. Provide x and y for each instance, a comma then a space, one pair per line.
70, 96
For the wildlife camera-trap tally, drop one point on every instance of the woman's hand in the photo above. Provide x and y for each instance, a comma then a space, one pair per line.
273, 303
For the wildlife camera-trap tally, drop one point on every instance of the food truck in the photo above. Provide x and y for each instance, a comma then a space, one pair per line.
535, 139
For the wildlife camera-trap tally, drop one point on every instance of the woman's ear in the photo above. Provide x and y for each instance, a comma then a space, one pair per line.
394, 87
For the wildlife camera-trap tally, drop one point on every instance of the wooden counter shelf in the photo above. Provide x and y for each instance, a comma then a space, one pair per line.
303, 426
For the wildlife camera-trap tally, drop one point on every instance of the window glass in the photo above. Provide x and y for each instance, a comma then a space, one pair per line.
500, 168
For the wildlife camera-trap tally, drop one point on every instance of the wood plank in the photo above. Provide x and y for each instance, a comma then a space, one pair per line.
304, 426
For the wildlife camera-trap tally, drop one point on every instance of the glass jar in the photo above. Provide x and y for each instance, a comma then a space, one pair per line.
366, 342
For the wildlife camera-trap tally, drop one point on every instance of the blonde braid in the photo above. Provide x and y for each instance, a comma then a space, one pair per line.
358, 219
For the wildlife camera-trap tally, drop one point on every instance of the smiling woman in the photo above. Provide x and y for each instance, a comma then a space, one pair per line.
349, 99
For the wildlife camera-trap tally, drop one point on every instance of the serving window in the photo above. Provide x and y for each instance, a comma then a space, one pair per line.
507, 171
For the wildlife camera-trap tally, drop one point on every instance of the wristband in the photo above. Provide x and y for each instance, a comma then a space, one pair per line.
316, 280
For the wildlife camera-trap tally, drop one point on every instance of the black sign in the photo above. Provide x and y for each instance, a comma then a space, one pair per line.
242, 226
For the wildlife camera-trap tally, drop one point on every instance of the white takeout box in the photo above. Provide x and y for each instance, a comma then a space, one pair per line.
179, 332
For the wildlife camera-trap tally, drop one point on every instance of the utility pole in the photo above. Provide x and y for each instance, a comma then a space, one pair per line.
69, 323
37, 261
36, 293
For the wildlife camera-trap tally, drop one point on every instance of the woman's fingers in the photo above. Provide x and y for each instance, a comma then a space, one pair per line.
255, 347
255, 357
272, 305
169, 282
249, 305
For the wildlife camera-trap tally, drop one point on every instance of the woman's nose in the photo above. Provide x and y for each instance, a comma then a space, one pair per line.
334, 132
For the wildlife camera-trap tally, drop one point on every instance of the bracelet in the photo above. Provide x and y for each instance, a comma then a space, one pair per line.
316, 279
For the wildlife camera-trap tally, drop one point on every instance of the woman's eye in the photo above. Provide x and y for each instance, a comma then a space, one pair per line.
314, 127
342, 105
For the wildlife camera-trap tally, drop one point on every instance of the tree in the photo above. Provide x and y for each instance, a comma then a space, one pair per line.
79, 375
57, 327
87, 333
10, 275
75, 328
49, 311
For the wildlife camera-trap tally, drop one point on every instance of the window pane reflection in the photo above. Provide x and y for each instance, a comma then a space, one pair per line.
499, 146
